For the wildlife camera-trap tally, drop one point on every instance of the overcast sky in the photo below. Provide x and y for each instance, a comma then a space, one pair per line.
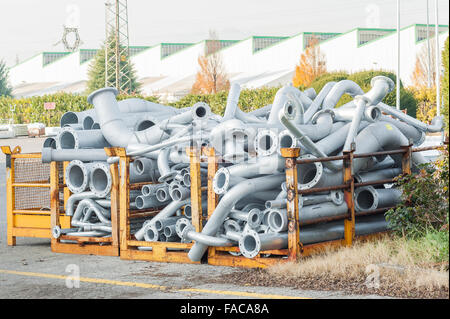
28, 27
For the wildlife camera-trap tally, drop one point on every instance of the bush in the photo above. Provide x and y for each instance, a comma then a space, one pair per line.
323, 79
31, 109
444, 84
425, 201
426, 103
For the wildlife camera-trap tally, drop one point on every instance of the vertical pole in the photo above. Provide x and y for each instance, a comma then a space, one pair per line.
291, 154
10, 199
438, 62
398, 57
54, 197
349, 222
124, 166
66, 189
196, 191
117, 48
428, 47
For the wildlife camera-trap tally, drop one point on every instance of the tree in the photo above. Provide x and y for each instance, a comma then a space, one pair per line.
312, 64
444, 84
5, 88
96, 72
211, 78
424, 68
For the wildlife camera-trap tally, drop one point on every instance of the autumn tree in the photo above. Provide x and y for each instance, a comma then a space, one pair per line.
312, 64
425, 69
211, 78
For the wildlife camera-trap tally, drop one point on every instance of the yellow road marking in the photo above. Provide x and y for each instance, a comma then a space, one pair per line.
150, 286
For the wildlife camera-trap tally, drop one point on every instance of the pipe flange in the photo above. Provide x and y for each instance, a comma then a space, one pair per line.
318, 114
337, 197
289, 110
232, 225
74, 142
221, 181
162, 194
180, 225
389, 81
200, 111
266, 142
254, 218
318, 175
283, 221
151, 233
56, 232
93, 94
76, 187
366, 198
184, 232
249, 243
286, 140
100, 181
248, 207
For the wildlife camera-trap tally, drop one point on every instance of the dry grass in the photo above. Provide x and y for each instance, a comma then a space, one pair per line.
399, 262
406, 269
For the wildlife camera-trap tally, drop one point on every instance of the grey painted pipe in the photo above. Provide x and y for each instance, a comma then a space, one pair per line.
189, 233
369, 198
371, 114
85, 155
227, 202
69, 138
377, 175
417, 136
289, 95
232, 102
251, 243
436, 124
77, 197
148, 202
253, 218
77, 176
311, 93
317, 102
339, 89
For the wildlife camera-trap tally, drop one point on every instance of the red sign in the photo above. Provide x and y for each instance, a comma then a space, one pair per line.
49, 105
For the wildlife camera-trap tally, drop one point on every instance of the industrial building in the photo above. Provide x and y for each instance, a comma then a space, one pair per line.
168, 69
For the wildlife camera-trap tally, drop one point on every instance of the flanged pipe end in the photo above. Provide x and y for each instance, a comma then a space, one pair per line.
106, 89
337, 197
320, 113
254, 218
389, 81
366, 198
180, 225
200, 111
306, 180
221, 181
77, 176
151, 233
289, 110
185, 231
231, 225
249, 243
100, 181
266, 142
56, 232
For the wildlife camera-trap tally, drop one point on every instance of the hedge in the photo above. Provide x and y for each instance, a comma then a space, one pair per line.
31, 109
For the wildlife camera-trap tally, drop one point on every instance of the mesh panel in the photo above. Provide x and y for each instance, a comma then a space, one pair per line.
31, 170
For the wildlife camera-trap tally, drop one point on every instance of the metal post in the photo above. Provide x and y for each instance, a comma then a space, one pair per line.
349, 222
54, 197
398, 57
9, 195
428, 47
438, 63
213, 198
291, 154
124, 186
406, 159
115, 198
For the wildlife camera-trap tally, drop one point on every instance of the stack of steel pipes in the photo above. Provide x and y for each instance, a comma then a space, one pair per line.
250, 181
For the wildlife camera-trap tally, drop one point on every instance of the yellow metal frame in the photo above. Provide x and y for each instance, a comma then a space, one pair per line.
108, 246
174, 252
25, 222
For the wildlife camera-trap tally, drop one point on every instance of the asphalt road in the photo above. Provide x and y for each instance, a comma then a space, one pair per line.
31, 270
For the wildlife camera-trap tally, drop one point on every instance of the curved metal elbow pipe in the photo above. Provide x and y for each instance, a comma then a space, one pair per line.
77, 197
190, 234
227, 202
232, 102
289, 95
339, 89
317, 102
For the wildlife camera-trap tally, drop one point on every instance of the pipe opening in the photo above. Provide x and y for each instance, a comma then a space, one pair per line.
50, 142
69, 118
176, 194
221, 179
142, 126
365, 199
286, 141
150, 234
308, 176
249, 243
76, 176
139, 202
187, 180
67, 140
95, 126
200, 111
139, 166
167, 232
265, 143
161, 194
188, 211
88, 121
159, 225
99, 180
